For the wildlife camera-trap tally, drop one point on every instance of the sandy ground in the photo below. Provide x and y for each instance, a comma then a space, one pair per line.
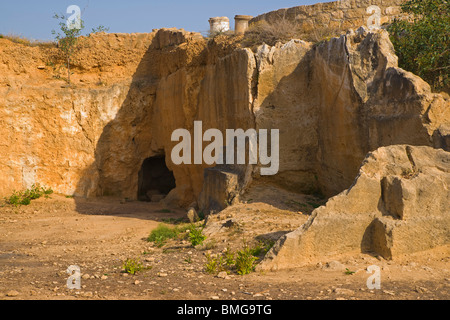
39, 242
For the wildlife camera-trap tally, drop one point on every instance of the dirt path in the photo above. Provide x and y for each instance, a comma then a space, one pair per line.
39, 242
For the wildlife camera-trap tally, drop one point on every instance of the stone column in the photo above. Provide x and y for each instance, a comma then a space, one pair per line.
241, 23
219, 24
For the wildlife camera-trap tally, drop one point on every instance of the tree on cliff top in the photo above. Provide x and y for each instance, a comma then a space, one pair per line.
422, 43
67, 39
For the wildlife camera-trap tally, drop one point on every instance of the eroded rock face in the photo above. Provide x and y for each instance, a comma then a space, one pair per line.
337, 101
398, 204
333, 103
339, 15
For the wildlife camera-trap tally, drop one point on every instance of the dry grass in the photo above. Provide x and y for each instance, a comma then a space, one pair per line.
27, 42
283, 30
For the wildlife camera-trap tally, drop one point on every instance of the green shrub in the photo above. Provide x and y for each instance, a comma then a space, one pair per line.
245, 261
242, 262
215, 264
19, 198
422, 43
132, 266
195, 235
229, 258
161, 234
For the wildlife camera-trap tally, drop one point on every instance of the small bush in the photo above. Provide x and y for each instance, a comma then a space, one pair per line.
215, 264
132, 266
349, 272
422, 43
229, 258
195, 235
161, 234
19, 198
242, 262
245, 261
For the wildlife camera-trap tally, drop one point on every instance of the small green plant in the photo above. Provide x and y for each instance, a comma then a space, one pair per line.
229, 258
132, 266
242, 262
161, 234
19, 198
99, 29
348, 272
188, 260
196, 235
214, 264
245, 261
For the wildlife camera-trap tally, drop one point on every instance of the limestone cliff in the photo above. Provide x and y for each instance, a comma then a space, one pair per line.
333, 102
338, 15
397, 205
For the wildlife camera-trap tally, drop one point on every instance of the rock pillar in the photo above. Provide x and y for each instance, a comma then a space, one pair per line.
219, 24
241, 23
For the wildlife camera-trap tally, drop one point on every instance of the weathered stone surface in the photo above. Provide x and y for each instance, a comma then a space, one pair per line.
333, 103
220, 190
349, 13
192, 215
398, 204
336, 102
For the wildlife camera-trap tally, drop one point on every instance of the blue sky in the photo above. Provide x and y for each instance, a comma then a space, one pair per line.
33, 18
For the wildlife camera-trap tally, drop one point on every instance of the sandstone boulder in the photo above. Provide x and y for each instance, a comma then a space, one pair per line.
398, 204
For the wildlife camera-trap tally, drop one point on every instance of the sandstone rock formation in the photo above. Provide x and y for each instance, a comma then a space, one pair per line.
333, 102
337, 101
339, 15
398, 204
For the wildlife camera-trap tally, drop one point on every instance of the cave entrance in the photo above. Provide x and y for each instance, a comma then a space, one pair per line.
155, 180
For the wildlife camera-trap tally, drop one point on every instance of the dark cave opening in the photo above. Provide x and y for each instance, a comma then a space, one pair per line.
155, 179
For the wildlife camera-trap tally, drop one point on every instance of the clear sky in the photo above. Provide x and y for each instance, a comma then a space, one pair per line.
33, 18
